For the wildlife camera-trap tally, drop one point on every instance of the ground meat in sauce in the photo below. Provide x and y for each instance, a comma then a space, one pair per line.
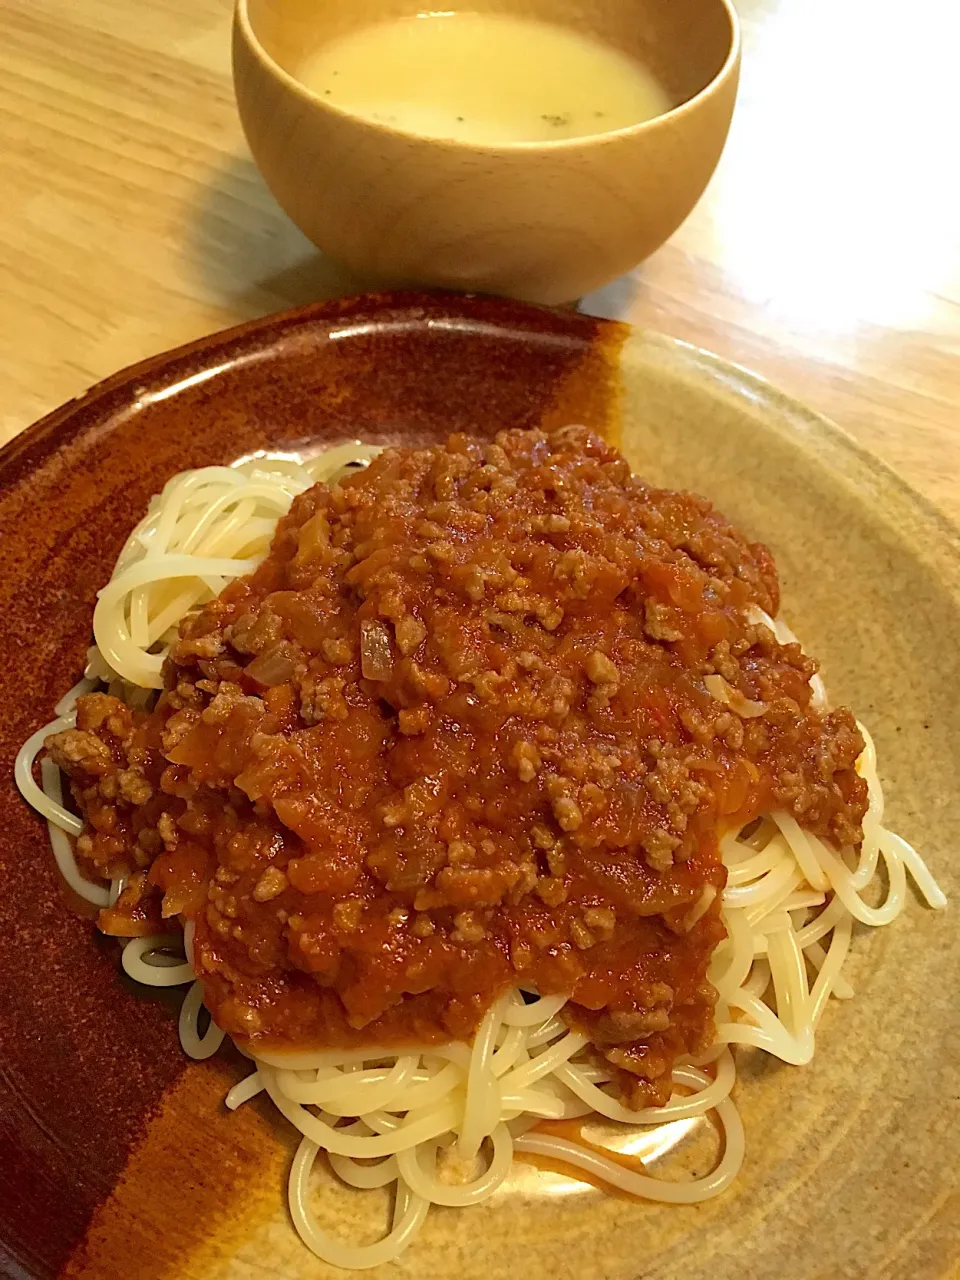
454, 735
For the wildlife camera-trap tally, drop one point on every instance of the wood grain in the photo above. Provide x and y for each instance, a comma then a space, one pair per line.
825, 255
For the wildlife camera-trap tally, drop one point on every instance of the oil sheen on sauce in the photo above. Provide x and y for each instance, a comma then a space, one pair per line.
483, 78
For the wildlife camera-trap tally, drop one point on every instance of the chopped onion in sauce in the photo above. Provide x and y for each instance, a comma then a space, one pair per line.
376, 651
718, 688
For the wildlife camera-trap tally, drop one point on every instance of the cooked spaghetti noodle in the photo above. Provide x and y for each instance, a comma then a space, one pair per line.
443, 1121
205, 529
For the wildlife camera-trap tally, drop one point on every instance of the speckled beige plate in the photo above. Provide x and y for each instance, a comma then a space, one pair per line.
851, 1167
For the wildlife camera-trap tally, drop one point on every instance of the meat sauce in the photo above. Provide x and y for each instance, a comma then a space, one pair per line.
454, 736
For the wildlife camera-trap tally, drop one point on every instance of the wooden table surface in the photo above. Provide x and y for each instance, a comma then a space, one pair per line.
825, 254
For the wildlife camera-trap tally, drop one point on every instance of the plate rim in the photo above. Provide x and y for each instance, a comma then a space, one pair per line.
831, 445
850, 472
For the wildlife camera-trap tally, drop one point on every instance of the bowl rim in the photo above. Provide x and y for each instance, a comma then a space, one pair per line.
243, 28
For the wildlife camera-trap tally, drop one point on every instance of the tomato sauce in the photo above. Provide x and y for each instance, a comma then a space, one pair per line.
454, 736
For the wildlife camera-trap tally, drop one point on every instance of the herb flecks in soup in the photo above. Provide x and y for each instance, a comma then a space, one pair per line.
484, 78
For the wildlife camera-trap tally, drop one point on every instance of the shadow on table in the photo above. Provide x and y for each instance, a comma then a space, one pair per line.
249, 256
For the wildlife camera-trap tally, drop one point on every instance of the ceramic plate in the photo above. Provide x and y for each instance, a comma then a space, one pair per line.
118, 1158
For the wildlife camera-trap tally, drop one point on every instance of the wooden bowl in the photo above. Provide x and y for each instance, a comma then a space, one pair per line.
544, 222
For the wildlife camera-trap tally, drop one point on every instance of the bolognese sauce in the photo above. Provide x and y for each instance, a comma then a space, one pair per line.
479, 721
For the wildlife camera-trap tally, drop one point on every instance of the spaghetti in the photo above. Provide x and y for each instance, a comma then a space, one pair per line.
443, 1122
205, 529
